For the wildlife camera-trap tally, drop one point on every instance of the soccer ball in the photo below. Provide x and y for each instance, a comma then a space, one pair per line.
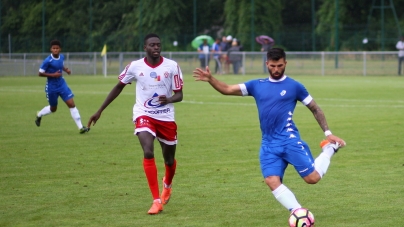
301, 217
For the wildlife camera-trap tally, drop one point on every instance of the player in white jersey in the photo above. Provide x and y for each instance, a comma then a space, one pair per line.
158, 85
276, 99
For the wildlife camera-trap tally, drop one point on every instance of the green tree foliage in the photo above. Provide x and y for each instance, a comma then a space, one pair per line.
357, 20
239, 15
86, 25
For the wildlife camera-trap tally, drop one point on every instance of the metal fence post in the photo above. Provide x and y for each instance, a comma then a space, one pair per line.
243, 63
120, 62
95, 63
25, 62
322, 63
364, 63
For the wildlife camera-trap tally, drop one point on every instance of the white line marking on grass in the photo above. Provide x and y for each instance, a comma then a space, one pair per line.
247, 104
323, 105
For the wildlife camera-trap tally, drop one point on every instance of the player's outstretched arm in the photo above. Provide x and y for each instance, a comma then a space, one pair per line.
225, 89
111, 96
320, 117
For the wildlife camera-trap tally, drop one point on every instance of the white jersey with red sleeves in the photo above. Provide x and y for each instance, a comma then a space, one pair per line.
151, 82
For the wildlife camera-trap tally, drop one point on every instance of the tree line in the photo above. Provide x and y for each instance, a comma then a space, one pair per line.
311, 25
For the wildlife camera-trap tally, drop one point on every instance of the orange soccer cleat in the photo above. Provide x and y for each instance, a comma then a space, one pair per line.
326, 143
166, 194
156, 208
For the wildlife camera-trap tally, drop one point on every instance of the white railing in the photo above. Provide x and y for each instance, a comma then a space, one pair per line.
299, 63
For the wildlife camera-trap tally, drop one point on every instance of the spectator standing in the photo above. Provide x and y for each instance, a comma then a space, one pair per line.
223, 56
227, 45
204, 50
265, 47
234, 58
216, 56
400, 48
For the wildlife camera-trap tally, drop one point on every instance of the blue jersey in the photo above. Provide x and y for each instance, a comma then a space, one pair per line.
276, 102
216, 48
205, 51
52, 65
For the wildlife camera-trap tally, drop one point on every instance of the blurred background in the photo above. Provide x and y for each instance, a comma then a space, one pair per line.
310, 25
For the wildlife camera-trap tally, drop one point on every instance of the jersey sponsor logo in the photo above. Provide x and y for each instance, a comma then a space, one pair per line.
164, 111
153, 102
283, 93
153, 75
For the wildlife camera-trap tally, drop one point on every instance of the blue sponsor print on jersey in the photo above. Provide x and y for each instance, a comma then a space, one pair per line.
153, 75
164, 111
153, 102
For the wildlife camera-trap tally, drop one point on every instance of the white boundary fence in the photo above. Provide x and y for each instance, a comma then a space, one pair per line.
299, 63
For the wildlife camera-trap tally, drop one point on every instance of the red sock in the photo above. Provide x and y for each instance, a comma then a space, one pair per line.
150, 169
170, 171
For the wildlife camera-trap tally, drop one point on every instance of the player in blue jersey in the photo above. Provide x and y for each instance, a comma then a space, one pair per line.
56, 86
276, 99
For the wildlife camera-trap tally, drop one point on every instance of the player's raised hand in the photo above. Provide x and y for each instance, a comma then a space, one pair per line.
93, 119
202, 75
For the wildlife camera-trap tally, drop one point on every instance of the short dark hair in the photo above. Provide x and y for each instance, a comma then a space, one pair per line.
150, 35
55, 42
276, 54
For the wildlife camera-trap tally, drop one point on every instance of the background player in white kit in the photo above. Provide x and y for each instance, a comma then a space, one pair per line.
281, 145
158, 85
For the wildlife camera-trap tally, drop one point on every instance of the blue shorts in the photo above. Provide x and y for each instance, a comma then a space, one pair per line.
274, 160
52, 95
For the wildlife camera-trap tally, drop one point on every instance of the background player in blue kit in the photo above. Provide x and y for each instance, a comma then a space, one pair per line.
56, 86
276, 99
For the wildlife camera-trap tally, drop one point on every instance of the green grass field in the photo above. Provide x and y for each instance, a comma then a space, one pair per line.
53, 176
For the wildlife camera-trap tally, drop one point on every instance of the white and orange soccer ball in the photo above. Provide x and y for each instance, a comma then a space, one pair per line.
301, 217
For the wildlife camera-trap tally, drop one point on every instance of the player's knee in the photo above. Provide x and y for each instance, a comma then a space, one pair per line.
312, 179
53, 109
148, 154
169, 161
273, 182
